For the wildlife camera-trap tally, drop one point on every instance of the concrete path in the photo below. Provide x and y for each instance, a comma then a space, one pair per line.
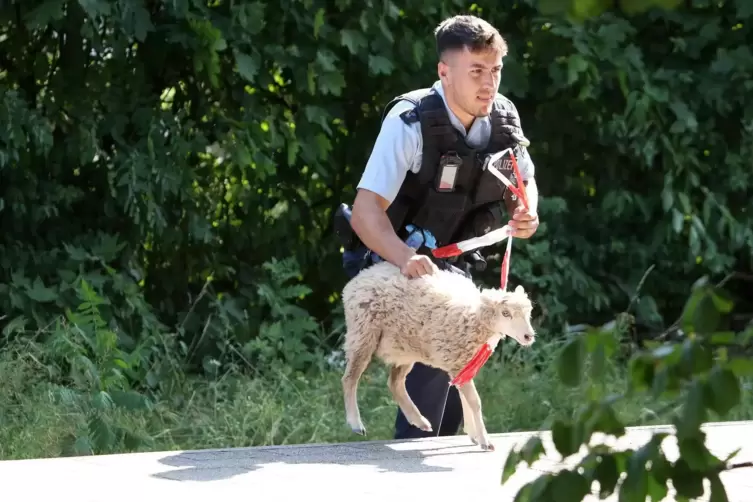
450, 469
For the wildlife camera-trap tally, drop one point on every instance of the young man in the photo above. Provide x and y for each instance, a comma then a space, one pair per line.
418, 171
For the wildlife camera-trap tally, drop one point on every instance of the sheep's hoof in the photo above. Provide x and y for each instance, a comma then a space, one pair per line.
359, 430
487, 446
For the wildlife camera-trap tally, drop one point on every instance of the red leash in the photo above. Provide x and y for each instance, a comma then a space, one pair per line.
470, 370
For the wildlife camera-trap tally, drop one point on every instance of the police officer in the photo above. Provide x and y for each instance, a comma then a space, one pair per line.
423, 178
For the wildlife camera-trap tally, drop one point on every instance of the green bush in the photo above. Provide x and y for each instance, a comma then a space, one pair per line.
168, 172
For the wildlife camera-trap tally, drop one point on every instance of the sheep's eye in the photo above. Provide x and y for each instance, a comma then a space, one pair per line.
506, 313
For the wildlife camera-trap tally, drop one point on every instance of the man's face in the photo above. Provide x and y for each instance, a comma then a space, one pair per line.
471, 80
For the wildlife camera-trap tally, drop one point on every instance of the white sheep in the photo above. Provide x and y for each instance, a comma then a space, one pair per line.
440, 320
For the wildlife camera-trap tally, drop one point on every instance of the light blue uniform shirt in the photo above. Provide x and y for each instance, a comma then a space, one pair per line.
398, 149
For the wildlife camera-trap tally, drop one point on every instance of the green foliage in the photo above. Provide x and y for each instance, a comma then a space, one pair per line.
696, 375
168, 172
164, 151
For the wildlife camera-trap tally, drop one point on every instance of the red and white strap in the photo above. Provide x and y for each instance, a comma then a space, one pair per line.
482, 355
499, 234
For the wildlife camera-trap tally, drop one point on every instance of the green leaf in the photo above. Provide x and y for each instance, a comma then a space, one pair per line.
694, 411
318, 22
741, 367
101, 433
44, 13
695, 358
101, 401
576, 64
563, 436
132, 441
607, 474
723, 338
722, 301
677, 220
532, 450
702, 310
41, 293
380, 65
636, 484
353, 40
723, 391
657, 490
130, 400
95, 8
136, 19
16, 325
512, 461
248, 66
419, 52
605, 420
694, 452
332, 83
717, 489
569, 486
598, 362
541, 488
524, 494
667, 198
642, 372
570, 361
688, 483
744, 9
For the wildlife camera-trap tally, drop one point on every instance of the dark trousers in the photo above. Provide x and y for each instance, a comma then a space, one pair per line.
428, 388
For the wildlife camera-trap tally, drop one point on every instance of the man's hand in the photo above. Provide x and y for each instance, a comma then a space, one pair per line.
524, 223
417, 265
372, 226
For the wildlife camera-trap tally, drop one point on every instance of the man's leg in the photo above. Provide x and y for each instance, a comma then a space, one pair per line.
427, 387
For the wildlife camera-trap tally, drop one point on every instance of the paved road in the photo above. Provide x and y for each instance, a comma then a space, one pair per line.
449, 469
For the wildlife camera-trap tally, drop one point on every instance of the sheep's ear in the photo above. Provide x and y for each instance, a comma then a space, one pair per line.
519, 289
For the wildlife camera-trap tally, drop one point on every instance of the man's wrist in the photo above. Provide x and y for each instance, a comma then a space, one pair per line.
406, 254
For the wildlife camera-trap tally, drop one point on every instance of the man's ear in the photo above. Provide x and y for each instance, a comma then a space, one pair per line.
442, 70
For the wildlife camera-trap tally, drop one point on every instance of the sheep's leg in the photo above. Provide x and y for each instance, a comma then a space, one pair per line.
358, 356
396, 383
474, 404
469, 425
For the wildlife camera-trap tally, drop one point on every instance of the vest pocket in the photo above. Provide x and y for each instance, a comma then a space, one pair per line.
489, 188
441, 213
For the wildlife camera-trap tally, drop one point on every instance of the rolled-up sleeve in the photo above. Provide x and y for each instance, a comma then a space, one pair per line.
396, 150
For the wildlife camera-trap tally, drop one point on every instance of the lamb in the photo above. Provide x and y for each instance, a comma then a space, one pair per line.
440, 320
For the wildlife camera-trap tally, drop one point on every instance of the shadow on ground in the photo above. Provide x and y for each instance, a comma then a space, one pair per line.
408, 458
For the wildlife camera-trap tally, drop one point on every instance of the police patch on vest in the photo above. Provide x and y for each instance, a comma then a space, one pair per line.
504, 164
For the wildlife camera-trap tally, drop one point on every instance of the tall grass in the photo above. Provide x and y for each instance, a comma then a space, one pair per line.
519, 389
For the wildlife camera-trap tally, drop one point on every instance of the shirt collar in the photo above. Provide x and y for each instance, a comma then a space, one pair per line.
454, 120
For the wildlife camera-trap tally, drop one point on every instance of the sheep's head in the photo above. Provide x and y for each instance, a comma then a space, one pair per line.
509, 313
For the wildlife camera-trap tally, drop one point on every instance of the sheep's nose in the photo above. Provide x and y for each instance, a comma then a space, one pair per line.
527, 338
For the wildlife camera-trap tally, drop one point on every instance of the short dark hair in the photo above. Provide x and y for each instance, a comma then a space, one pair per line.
466, 31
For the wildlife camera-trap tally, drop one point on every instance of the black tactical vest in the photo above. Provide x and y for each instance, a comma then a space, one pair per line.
471, 203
